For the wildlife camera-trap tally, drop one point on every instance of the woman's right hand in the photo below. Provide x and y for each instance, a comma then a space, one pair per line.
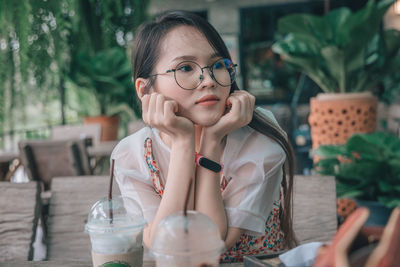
160, 113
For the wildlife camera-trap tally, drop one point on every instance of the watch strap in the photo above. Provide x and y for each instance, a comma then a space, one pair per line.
208, 163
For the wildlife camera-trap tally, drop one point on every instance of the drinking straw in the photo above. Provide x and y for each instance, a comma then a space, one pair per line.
186, 203
111, 179
110, 190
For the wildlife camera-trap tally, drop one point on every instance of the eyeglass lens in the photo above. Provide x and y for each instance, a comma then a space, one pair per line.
189, 74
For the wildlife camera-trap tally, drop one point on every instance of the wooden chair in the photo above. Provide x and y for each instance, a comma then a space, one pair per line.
20, 211
77, 131
314, 208
46, 159
71, 201
72, 197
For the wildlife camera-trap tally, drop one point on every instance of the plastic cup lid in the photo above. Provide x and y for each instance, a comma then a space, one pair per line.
178, 234
115, 215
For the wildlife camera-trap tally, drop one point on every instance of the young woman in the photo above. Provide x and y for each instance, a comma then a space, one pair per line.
185, 80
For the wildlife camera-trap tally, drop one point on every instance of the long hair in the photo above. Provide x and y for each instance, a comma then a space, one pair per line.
145, 55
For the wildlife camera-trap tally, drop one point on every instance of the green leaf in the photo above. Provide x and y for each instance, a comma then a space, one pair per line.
390, 202
326, 166
337, 20
360, 171
392, 41
331, 151
364, 146
336, 65
385, 187
347, 191
310, 25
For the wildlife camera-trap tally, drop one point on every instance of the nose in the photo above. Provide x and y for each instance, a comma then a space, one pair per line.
207, 80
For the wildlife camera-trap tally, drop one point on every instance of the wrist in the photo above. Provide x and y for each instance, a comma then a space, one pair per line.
211, 148
184, 142
210, 135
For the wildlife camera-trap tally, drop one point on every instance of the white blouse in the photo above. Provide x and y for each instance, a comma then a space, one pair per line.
252, 167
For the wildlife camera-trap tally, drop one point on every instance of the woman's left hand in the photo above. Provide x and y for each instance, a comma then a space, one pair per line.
240, 112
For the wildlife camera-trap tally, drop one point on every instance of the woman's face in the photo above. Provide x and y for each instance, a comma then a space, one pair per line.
204, 105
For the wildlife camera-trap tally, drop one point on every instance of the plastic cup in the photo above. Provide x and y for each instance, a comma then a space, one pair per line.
187, 241
116, 236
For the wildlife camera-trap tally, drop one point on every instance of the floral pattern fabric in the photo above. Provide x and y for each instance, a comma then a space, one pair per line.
271, 241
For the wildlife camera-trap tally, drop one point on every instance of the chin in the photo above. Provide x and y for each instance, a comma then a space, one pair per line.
207, 121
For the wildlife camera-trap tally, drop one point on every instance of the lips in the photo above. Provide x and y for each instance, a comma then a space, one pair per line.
208, 100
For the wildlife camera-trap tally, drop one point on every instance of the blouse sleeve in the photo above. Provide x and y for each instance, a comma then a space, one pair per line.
132, 175
254, 174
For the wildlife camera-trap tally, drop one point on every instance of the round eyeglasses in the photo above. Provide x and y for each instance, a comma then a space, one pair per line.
189, 74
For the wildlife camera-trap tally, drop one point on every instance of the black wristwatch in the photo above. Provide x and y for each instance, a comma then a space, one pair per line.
208, 163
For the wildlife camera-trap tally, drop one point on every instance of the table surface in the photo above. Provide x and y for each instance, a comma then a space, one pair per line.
271, 262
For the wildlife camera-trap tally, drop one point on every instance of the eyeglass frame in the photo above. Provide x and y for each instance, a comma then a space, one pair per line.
210, 70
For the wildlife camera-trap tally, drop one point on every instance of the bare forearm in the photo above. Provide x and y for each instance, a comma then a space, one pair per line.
208, 198
181, 169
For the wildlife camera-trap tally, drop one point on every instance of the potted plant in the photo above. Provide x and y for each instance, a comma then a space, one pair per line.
107, 74
366, 167
346, 54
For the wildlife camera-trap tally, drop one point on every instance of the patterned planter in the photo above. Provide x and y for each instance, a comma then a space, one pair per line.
335, 117
109, 126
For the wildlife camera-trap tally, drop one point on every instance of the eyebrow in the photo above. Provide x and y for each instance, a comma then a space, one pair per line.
187, 57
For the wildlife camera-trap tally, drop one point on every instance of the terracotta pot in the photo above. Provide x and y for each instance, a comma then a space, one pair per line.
109, 126
335, 117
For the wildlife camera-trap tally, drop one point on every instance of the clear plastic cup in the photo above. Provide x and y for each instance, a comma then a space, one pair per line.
115, 228
187, 241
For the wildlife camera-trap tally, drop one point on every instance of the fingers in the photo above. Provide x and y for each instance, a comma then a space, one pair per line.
170, 108
242, 106
145, 108
159, 112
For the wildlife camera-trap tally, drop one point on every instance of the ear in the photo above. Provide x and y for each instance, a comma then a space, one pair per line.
140, 85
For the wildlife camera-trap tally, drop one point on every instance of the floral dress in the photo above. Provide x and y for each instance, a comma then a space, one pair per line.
271, 241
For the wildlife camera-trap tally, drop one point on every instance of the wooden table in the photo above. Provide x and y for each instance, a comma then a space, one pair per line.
20, 211
314, 212
89, 264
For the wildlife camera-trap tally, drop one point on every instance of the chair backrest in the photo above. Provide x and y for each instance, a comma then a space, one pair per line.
71, 201
314, 212
45, 159
78, 131
314, 208
20, 211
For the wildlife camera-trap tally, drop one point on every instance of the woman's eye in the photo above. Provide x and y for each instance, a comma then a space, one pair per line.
185, 68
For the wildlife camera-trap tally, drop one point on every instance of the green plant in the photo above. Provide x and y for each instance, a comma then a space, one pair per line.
367, 167
108, 76
341, 51
391, 94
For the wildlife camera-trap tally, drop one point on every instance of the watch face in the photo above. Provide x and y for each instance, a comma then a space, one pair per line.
209, 164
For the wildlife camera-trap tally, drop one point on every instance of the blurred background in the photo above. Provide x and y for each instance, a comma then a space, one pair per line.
65, 62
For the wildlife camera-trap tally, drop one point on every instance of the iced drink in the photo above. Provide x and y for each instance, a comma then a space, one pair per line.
187, 241
116, 228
